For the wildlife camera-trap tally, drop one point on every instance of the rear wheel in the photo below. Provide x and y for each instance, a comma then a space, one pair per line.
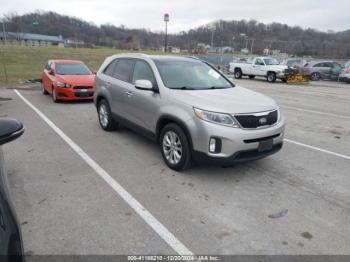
105, 116
315, 76
238, 73
271, 77
175, 147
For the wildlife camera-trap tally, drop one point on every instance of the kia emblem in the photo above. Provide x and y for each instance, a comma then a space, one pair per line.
262, 121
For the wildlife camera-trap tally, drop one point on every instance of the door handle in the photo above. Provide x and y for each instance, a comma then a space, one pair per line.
129, 93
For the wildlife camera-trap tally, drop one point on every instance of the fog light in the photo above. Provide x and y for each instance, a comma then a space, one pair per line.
214, 145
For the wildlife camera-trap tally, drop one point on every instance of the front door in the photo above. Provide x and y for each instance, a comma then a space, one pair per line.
143, 105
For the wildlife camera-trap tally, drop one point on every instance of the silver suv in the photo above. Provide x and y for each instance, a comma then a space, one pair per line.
192, 110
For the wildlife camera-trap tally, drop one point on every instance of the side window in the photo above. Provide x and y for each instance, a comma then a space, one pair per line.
259, 62
142, 71
123, 69
319, 65
48, 65
110, 68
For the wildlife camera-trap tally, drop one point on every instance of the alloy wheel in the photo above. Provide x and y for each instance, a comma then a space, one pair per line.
172, 147
103, 115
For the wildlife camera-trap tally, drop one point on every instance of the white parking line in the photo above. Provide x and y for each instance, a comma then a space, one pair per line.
317, 148
161, 230
315, 112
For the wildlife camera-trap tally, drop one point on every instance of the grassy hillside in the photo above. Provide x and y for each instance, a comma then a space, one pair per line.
23, 63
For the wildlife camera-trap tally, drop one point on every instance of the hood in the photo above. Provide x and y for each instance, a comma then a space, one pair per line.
234, 100
77, 80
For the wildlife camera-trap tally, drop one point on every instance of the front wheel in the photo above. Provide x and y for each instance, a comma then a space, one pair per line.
105, 116
175, 147
271, 77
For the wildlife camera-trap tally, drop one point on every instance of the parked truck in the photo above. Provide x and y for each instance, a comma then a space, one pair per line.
261, 66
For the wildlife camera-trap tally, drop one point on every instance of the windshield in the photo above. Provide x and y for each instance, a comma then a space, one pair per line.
194, 75
271, 61
72, 69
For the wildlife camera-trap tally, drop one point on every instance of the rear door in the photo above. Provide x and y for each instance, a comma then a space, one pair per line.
119, 86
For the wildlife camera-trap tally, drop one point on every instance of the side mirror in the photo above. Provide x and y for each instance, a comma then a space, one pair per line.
144, 85
10, 129
51, 72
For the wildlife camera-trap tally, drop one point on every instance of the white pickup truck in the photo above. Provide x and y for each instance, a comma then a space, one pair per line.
260, 66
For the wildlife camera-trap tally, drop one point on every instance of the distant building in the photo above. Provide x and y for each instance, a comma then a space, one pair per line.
29, 39
74, 43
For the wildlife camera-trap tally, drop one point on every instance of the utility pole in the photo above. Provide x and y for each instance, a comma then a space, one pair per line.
3, 31
212, 38
251, 47
166, 20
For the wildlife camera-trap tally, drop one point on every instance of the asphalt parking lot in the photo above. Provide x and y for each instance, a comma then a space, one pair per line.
294, 202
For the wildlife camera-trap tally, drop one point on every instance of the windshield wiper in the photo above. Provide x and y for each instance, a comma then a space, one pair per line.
183, 88
218, 87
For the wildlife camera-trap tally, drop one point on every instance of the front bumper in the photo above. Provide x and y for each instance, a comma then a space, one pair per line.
69, 94
237, 144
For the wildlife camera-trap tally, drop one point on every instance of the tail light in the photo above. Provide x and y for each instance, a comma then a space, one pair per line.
306, 70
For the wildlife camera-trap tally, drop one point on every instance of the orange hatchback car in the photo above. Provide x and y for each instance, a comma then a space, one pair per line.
68, 80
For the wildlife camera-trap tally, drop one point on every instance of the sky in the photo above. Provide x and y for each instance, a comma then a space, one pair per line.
323, 15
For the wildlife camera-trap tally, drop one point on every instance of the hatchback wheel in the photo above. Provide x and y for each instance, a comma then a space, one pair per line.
105, 116
315, 76
175, 147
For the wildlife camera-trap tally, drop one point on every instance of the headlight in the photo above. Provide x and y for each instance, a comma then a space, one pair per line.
217, 118
61, 84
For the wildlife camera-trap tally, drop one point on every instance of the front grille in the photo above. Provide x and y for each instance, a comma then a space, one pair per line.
248, 141
291, 71
253, 121
83, 87
84, 94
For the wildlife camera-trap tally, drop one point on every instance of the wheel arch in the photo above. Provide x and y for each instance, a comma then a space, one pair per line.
167, 119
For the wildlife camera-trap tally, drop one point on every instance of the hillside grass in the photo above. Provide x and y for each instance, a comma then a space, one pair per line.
24, 63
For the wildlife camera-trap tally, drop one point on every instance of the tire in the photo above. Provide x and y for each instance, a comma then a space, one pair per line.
271, 77
251, 77
175, 147
315, 76
54, 95
105, 118
238, 73
43, 89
